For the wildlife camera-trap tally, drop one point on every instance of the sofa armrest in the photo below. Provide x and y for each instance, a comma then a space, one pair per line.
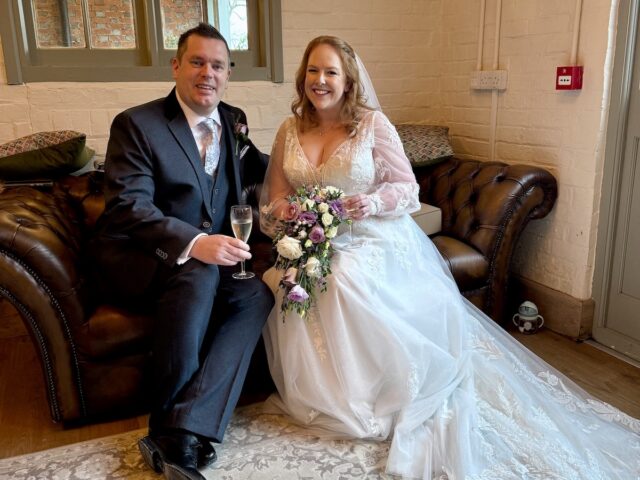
40, 274
487, 205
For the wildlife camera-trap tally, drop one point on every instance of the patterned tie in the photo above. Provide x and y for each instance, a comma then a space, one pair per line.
212, 145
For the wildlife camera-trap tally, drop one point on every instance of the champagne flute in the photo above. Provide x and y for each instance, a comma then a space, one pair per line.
352, 243
241, 222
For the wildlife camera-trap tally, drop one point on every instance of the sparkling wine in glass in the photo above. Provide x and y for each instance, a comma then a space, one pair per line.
352, 243
241, 222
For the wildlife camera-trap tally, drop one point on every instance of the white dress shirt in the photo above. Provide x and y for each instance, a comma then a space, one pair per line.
194, 119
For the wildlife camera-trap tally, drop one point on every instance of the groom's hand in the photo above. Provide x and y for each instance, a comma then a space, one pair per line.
220, 250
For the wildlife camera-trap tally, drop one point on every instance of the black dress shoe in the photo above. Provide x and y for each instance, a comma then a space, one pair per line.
175, 455
206, 453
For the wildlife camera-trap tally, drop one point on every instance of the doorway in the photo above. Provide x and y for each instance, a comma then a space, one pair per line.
617, 273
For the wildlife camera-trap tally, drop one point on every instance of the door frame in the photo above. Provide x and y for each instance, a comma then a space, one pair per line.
628, 15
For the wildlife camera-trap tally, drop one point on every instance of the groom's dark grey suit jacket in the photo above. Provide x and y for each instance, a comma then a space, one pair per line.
158, 196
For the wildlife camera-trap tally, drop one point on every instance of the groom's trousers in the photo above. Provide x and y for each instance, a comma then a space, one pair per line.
207, 326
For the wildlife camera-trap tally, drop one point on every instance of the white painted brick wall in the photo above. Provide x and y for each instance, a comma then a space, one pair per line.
536, 124
419, 54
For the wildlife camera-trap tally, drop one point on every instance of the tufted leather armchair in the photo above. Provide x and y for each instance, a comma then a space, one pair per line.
94, 355
485, 206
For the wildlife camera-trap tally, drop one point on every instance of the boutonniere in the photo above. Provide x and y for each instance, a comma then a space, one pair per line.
240, 131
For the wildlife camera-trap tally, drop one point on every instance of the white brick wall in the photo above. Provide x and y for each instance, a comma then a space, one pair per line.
536, 124
419, 54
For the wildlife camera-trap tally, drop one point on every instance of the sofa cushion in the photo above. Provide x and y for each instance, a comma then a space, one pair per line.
425, 144
469, 267
44, 155
112, 331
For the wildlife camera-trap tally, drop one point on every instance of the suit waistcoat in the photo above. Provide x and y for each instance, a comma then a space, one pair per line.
219, 185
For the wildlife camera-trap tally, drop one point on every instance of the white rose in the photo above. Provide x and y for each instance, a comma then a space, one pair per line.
302, 234
333, 191
327, 219
332, 232
289, 248
323, 208
309, 204
313, 267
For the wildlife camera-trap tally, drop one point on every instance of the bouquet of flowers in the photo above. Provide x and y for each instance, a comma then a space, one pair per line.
304, 245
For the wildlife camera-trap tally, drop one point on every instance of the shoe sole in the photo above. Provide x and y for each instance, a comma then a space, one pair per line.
155, 460
151, 454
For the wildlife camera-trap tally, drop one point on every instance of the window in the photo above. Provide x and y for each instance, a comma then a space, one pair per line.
132, 40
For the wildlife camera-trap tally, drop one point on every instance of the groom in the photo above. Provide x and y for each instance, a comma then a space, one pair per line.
174, 167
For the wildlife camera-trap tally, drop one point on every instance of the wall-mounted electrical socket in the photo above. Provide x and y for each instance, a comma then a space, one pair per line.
489, 80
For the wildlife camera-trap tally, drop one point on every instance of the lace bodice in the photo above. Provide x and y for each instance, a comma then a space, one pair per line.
371, 162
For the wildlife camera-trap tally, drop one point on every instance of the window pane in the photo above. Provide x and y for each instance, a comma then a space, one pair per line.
233, 23
111, 24
60, 23
178, 17
58, 26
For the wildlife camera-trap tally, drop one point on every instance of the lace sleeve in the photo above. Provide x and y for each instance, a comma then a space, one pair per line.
276, 187
396, 189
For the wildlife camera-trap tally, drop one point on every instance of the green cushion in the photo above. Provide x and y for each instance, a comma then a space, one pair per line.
44, 155
425, 144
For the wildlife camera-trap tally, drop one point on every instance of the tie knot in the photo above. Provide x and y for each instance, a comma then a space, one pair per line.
208, 124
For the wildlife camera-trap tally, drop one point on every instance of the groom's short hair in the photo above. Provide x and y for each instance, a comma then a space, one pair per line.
202, 30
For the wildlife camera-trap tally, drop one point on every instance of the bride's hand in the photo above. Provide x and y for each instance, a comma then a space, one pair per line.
358, 206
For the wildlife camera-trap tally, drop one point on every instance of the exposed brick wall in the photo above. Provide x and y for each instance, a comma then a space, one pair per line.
112, 23
48, 24
178, 17
419, 54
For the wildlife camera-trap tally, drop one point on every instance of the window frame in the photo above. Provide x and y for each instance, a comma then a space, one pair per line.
25, 63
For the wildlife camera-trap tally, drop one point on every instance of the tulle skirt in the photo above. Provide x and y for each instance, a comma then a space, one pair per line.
392, 350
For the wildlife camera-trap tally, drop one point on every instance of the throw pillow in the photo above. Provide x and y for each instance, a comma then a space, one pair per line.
43, 155
425, 144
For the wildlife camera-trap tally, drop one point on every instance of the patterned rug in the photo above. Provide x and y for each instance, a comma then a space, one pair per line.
256, 446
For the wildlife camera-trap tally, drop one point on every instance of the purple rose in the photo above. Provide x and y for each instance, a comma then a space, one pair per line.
308, 218
297, 294
338, 208
316, 235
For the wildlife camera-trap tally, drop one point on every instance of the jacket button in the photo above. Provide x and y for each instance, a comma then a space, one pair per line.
213, 210
206, 224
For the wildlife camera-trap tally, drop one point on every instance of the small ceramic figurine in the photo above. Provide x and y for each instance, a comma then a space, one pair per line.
527, 319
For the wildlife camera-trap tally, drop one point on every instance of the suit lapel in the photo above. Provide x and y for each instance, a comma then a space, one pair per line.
179, 127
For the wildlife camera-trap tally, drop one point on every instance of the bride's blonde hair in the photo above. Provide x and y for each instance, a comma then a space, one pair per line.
354, 100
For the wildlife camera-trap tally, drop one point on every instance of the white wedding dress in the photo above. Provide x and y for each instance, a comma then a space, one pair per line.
392, 350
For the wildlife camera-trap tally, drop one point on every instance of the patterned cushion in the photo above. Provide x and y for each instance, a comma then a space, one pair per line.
425, 144
43, 155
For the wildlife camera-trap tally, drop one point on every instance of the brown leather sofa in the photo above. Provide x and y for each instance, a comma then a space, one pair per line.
485, 206
93, 355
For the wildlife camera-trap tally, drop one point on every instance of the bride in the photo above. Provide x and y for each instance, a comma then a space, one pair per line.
391, 349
